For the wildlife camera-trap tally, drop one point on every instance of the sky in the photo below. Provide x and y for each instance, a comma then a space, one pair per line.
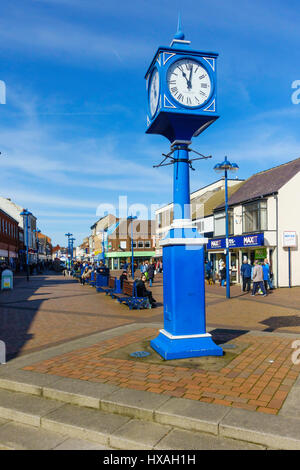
72, 129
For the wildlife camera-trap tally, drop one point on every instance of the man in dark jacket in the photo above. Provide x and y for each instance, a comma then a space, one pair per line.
122, 278
246, 275
143, 292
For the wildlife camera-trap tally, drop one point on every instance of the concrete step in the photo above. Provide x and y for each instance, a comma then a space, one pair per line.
16, 436
31, 422
111, 416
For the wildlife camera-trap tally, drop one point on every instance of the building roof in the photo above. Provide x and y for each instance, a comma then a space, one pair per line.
216, 199
265, 183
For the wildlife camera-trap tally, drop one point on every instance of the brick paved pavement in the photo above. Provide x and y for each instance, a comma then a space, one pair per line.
50, 309
258, 379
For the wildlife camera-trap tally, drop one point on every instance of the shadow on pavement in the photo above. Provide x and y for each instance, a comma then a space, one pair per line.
275, 323
221, 336
15, 323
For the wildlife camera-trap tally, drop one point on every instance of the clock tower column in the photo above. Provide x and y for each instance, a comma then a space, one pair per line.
184, 332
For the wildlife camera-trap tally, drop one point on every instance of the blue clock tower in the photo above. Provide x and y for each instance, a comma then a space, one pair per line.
181, 86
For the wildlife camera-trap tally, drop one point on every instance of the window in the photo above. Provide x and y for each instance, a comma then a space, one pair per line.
134, 244
220, 221
147, 244
140, 244
255, 216
159, 221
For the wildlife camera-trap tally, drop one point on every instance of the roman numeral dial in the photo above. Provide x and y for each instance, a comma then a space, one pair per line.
154, 92
189, 82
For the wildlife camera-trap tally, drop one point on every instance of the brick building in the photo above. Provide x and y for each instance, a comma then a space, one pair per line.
11, 239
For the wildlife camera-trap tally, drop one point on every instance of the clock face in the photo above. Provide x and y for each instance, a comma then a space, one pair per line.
189, 83
154, 92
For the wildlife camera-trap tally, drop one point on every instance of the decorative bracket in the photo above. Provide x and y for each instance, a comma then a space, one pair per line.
177, 146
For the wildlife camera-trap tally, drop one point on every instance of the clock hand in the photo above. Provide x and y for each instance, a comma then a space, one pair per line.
184, 74
189, 83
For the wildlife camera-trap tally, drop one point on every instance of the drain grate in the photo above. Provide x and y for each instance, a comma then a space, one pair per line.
140, 354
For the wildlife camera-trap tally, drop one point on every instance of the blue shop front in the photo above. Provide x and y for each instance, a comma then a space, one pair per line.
248, 246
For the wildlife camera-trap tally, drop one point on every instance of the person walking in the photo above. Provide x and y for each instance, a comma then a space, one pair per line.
150, 270
222, 274
258, 277
267, 275
246, 275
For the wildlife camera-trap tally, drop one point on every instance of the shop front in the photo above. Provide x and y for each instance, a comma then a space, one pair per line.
117, 259
242, 247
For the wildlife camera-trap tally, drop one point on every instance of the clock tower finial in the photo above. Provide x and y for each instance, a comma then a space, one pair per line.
179, 34
179, 40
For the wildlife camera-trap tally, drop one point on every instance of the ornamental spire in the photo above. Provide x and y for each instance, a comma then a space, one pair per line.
179, 34
178, 40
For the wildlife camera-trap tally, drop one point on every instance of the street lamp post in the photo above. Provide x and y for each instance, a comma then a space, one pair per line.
26, 214
220, 167
37, 243
72, 248
132, 218
69, 245
103, 247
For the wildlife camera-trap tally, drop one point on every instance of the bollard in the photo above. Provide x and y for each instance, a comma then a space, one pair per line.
2, 352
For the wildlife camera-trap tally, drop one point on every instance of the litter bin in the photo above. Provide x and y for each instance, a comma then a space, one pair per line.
7, 279
102, 277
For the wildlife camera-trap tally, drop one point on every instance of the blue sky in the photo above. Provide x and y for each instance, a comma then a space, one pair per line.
72, 131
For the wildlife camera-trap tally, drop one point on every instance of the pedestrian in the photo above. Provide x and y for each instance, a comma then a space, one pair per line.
143, 292
123, 277
246, 275
142, 268
150, 271
208, 270
267, 275
258, 277
222, 274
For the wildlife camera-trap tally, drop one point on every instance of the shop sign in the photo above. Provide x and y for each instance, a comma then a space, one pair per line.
240, 241
261, 253
289, 239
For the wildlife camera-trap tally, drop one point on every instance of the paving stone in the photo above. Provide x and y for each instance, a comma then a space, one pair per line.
25, 381
23, 408
79, 392
83, 423
272, 431
134, 403
3, 421
187, 440
80, 444
191, 415
18, 436
138, 435
291, 406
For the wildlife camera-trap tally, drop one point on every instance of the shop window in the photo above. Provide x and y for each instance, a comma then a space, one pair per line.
255, 216
220, 223
159, 220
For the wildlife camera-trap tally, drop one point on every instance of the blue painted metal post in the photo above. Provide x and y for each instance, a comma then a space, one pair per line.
27, 255
290, 284
227, 237
184, 333
181, 184
103, 248
132, 256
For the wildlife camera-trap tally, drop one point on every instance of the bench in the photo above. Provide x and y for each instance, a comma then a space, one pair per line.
92, 280
129, 296
111, 285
